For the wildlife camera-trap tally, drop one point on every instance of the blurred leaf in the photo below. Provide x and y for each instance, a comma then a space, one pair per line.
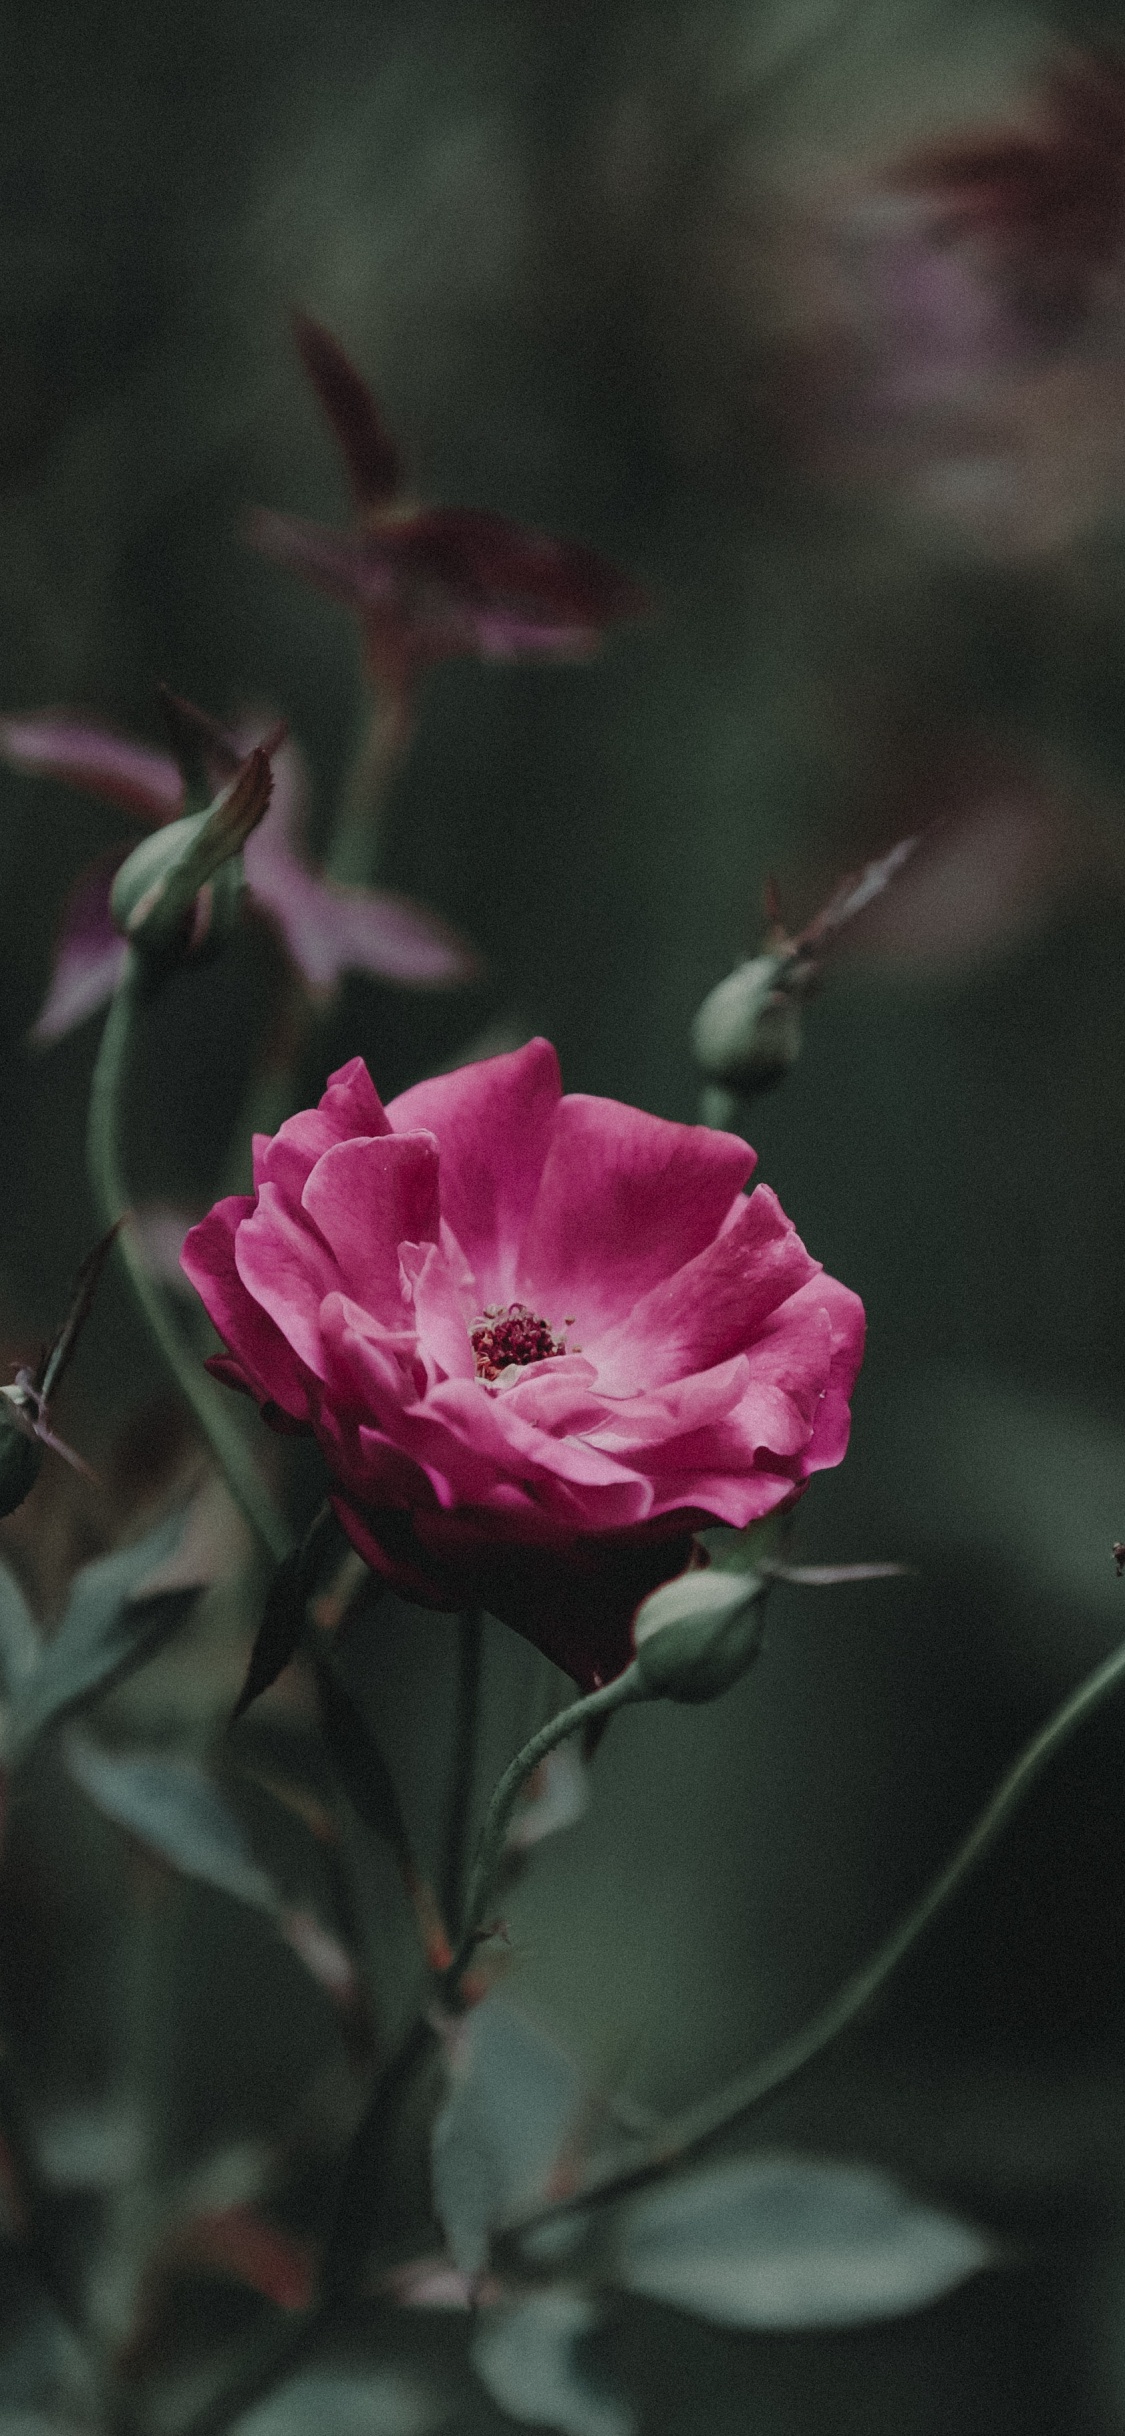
20, 1646
278, 1636
529, 2358
346, 2399
829, 1577
792, 2242
178, 1813
113, 1622
514, 2098
91, 2148
359, 1762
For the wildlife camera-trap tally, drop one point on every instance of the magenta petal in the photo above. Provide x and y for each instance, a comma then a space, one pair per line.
329, 930
368, 1197
493, 1123
88, 958
350, 1107
625, 1199
259, 1348
83, 753
714, 1306
288, 1271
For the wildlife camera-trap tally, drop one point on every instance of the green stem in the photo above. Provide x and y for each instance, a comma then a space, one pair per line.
213, 1415
385, 737
470, 1651
615, 1695
684, 2134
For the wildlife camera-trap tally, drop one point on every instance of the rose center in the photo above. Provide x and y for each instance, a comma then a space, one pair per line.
507, 1334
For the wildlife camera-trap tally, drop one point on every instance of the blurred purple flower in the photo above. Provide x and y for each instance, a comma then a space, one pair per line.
326, 929
432, 583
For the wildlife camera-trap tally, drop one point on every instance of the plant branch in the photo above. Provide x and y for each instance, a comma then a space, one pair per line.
687, 2133
217, 1422
595, 1705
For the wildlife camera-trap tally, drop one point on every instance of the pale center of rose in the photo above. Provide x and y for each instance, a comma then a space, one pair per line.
508, 1336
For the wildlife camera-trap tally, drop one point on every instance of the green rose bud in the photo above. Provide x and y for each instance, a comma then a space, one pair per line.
695, 1636
747, 1033
180, 888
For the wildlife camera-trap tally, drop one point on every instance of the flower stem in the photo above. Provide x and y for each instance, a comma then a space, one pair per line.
685, 2134
615, 1695
384, 740
103, 1149
470, 1651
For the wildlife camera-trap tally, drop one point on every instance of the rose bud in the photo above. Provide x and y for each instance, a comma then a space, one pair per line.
747, 1033
695, 1636
181, 886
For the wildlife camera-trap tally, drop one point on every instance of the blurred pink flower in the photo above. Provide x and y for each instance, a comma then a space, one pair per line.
432, 583
540, 1340
326, 929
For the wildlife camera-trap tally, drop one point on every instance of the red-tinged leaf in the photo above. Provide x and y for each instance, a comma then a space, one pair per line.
88, 958
198, 741
88, 754
365, 443
239, 2244
447, 583
1058, 185
488, 561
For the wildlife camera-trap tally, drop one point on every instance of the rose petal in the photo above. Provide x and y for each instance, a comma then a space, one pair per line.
625, 1200
350, 1106
368, 1197
493, 1124
259, 1347
714, 1305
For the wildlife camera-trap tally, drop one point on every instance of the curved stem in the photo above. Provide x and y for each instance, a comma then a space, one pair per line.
215, 1419
615, 1695
385, 736
683, 2135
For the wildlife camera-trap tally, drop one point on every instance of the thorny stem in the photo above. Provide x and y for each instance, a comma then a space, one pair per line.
595, 1705
685, 2134
103, 1149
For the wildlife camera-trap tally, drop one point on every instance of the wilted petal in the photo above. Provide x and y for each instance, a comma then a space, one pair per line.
85, 753
88, 959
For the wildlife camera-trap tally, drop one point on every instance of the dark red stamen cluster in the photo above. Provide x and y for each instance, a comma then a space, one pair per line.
511, 1333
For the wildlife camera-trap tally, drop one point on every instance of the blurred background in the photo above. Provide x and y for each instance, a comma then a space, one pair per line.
812, 316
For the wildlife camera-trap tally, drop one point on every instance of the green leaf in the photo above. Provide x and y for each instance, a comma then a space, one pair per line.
514, 2098
529, 2358
345, 2398
788, 2243
283, 1619
179, 1813
359, 1763
20, 1646
113, 1622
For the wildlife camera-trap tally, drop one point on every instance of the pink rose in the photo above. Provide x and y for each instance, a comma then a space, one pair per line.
540, 1340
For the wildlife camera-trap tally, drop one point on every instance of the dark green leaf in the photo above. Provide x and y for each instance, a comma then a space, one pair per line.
359, 1762
283, 1620
179, 1813
20, 1645
112, 1624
